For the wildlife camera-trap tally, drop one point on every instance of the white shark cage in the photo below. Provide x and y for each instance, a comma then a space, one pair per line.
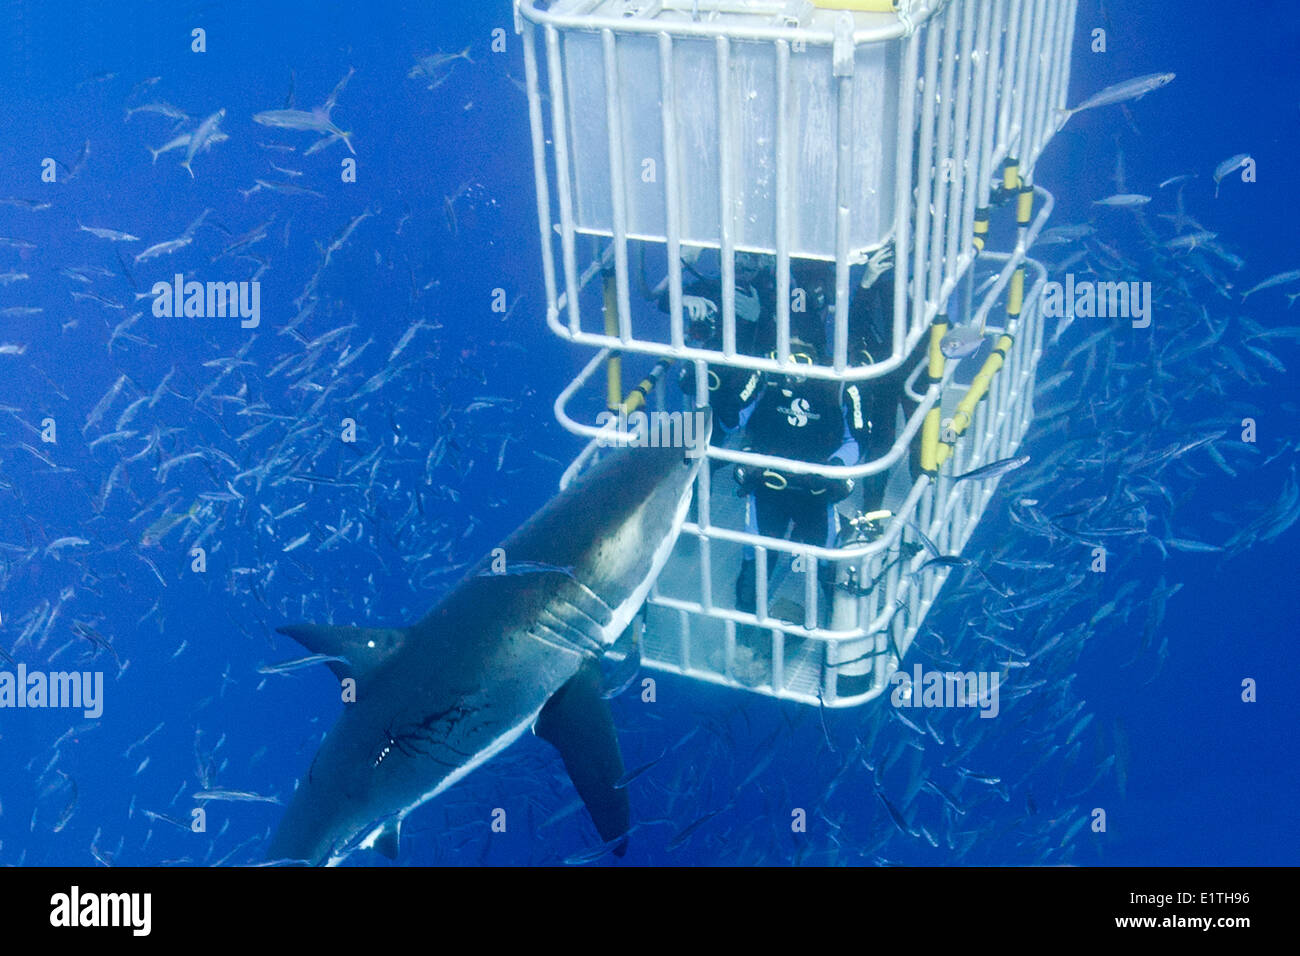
804, 132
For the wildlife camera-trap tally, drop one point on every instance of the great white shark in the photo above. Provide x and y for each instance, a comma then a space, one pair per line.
516, 645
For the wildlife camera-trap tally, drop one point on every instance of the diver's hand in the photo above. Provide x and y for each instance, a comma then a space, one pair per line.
837, 489
698, 308
747, 305
749, 479
878, 263
745, 480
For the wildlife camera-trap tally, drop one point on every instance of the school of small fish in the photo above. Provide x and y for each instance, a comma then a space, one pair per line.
237, 456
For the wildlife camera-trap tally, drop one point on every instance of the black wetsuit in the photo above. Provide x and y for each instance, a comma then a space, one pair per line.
730, 389
871, 331
806, 421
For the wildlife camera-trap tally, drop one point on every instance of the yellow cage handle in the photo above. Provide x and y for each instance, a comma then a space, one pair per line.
860, 6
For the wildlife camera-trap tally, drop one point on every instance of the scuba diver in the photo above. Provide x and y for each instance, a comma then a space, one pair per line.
805, 419
815, 282
871, 329
730, 389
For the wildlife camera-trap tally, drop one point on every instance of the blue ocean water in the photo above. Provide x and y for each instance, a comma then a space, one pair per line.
458, 445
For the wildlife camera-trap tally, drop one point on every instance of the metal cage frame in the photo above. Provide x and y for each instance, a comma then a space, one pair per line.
1000, 71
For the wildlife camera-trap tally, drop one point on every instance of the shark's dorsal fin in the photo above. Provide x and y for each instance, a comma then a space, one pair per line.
365, 648
577, 722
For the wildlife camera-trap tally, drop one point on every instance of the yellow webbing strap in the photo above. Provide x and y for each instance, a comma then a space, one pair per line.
930, 446
1025, 205
938, 329
614, 368
641, 391
1016, 294
1011, 175
965, 413
930, 429
981, 227
861, 6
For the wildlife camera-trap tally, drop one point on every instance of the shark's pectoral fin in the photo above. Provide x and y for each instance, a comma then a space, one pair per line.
577, 722
365, 648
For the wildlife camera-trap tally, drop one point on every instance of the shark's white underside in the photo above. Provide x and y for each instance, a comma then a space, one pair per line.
484, 755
